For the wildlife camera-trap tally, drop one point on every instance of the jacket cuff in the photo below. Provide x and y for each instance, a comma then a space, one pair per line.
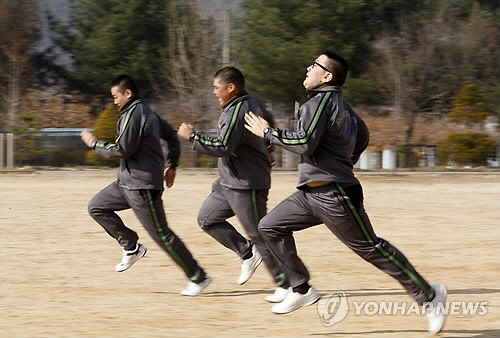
191, 136
268, 135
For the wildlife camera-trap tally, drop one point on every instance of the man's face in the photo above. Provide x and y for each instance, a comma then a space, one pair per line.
316, 75
120, 99
223, 91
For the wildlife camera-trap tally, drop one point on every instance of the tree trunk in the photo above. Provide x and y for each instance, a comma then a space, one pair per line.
13, 98
410, 126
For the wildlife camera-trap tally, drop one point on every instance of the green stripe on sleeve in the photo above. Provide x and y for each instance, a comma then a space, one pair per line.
125, 124
313, 124
233, 122
117, 140
228, 132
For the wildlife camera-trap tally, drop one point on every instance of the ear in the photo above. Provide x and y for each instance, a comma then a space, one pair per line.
231, 88
328, 77
128, 93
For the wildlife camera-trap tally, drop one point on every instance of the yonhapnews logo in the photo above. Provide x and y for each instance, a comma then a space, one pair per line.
333, 308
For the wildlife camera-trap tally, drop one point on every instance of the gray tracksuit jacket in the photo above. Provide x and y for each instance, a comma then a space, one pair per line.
243, 157
329, 137
143, 156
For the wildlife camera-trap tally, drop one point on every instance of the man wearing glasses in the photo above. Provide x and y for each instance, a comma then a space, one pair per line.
330, 137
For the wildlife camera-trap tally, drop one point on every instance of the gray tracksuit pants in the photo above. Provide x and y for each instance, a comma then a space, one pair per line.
148, 207
249, 206
341, 210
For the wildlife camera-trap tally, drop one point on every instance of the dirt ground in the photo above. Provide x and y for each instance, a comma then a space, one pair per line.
58, 277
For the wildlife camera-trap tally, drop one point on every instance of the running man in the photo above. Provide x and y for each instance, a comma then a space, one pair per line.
330, 137
245, 178
140, 183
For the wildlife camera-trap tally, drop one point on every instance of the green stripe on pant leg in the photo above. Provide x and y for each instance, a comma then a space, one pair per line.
429, 293
165, 242
281, 275
254, 207
285, 284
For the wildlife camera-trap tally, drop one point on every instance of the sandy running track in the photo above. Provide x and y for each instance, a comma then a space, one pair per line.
58, 276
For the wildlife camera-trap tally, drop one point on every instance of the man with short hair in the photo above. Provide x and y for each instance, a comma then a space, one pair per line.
140, 183
242, 188
330, 137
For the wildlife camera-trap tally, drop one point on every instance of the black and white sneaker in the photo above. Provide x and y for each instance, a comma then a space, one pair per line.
129, 257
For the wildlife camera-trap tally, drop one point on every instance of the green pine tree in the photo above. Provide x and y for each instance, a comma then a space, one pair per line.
469, 106
105, 129
467, 148
110, 37
277, 40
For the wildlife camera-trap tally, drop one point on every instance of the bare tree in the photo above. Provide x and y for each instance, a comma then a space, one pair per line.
17, 23
192, 57
478, 58
417, 66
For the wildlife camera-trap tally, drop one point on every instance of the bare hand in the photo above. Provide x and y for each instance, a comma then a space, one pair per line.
169, 177
256, 124
87, 137
184, 130
272, 159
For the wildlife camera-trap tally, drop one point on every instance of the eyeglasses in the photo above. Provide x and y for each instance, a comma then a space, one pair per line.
315, 63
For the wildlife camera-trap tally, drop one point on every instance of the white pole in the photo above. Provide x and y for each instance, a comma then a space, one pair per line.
10, 151
2, 154
226, 57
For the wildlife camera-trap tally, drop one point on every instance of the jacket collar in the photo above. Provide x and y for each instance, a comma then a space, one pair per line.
234, 99
323, 89
129, 104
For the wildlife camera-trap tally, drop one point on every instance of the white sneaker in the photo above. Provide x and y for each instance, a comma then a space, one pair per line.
278, 296
436, 309
192, 289
248, 266
130, 257
295, 300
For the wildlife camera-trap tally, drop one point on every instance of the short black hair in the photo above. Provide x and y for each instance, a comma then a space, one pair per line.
229, 75
338, 65
124, 82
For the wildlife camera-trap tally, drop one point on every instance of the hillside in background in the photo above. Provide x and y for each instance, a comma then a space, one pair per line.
216, 8
212, 8
59, 10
